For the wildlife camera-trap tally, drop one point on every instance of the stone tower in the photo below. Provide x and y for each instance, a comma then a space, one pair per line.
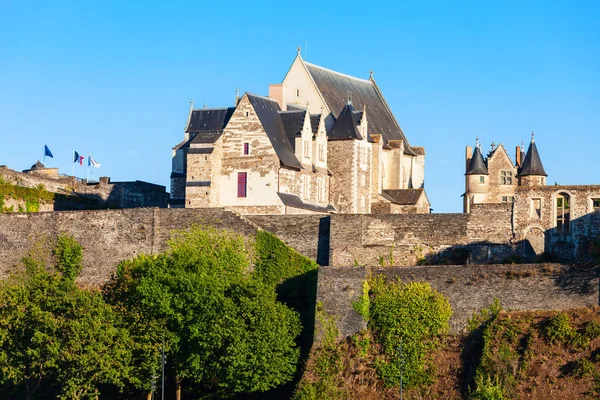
532, 171
476, 178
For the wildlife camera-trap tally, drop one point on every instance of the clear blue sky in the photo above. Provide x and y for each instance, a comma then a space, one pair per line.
115, 78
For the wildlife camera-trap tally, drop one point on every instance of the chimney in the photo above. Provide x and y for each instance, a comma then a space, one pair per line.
469, 156
276, 92
518, 156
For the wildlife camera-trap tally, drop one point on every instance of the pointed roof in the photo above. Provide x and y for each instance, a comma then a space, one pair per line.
336, 88
209, 119
38, 165
268, 113
477, 165
532, 165
345, 126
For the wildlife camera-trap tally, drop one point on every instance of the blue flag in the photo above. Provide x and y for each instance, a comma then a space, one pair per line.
47, 152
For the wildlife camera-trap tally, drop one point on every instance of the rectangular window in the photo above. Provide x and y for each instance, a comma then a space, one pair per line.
321, 153
306, 187
482, 179
506, 177
507, 199
537, 208
363, 202
246, 149
321, 190
563, 214
306, 149
596, 204
242, 184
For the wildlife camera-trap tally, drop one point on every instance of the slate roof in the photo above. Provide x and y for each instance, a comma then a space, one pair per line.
532, 165
38, 165
334, 88
477, 165
209, 119
270, 118
314, 122
345, 126
404, 197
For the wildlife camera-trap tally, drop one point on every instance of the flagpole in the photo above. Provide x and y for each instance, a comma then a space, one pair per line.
87, 178
73, 159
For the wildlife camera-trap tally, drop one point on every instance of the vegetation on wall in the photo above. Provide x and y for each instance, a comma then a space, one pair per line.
212, 299
30, 197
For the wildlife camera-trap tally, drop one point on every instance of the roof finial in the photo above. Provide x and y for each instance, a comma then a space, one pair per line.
349, 95
493, 145
522, 145
299, 50
532, 135
371, 74
237, 96
191, 104
205, 105
306, 105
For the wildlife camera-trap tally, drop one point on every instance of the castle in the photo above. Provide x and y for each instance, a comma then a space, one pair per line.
557, 219
321, 142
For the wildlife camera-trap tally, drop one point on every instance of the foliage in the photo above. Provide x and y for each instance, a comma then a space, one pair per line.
487, 390
68, 253
361, 306
583, 368
223, 327
592, 330
484, 316
275, 261
410, 315
57, 340
325, 363
559, 330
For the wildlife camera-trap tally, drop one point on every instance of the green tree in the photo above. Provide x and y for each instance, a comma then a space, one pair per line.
57, 340
225, 331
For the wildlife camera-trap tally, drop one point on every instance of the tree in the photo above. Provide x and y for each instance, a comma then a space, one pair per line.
57, 340
225, 331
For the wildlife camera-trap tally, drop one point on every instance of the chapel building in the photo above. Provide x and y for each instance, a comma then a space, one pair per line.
321, 142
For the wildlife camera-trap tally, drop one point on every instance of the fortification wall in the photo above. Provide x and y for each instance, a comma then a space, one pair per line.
468, 288
107, 236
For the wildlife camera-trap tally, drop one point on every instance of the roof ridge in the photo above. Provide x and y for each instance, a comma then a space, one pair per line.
260, 96
292, 111
339, 73
211, 109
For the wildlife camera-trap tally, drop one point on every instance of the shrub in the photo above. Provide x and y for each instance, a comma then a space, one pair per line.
361, 306
559, 330
487, 390
583, 368
410, 315
592, 330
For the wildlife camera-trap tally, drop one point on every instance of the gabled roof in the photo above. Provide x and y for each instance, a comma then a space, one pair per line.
270, 118
345, 126
404, 197
532, 165
293, 121
477, 165
209, 119
314, 122
335, 88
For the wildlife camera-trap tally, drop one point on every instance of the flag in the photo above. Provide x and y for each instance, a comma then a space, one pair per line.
78, 158
92, 162
47, 152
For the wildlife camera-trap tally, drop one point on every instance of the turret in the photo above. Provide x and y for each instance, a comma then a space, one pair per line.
532, 171
476, 182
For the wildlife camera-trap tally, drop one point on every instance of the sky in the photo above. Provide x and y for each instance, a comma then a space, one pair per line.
114, 79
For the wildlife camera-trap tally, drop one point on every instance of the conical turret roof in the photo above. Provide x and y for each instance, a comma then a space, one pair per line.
477, 165
532, 165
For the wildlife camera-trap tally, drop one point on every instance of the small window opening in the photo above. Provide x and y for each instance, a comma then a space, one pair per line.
482, 179
297, 92
507, 199
306, 149
537, 208
506, 177
321, 152
246, 148
247, 113
563, 213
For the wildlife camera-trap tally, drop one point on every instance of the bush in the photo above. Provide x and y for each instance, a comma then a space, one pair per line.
487, 390
412, 316
592, 330
559, 330
583, 368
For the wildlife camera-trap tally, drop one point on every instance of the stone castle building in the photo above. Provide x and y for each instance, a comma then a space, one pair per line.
556, 218
320, 142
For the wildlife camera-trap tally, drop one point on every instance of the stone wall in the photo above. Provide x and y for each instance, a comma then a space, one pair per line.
108, 236
468, 288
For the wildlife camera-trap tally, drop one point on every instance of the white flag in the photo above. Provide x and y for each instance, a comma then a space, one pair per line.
93, 163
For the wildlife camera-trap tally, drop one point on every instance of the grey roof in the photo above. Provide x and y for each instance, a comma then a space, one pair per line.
477, 165
292, 122
209, 119
314, 122
206, 137
270, 118
532, 165
345, 126
335, 87
404, 197
38, 165
292, 200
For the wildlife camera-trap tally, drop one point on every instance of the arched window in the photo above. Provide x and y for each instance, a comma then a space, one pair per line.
563, 213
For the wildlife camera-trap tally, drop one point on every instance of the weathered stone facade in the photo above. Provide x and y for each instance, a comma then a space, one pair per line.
104, 193
298, 154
